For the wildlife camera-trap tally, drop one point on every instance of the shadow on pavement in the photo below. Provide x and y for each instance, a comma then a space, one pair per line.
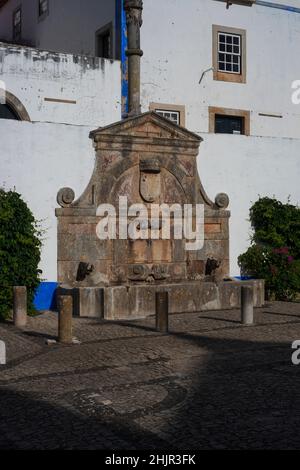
246, 396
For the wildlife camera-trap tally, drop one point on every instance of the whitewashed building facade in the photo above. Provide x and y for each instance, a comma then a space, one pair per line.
224, 73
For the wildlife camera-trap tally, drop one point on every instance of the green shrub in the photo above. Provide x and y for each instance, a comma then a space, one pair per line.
20, 248
276, 224
274, 254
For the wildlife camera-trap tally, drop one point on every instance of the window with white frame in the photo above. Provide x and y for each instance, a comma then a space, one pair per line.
174, 112
229, 52
173, 116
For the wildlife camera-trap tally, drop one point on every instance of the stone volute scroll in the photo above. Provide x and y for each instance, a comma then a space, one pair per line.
222, 200
65, 197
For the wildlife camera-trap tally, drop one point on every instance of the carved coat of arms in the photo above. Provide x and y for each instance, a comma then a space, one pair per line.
150, 180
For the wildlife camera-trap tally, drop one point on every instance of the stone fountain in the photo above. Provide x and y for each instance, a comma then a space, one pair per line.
146, 159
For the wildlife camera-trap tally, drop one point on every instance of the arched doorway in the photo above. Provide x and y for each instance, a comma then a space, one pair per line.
13, 109
7, 113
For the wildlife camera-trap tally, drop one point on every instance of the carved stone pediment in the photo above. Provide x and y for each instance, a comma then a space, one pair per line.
148, 125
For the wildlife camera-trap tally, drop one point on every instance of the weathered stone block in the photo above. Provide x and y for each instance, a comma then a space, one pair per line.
72, 247
212, 228
68, 270
161, 251
116, 303
139, 301
196, 269
88, 302
218, 249
139, 251
179, 251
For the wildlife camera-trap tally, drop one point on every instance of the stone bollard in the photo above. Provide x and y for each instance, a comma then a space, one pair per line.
2, 353
162, 312
20, 307
247, 310
65, 317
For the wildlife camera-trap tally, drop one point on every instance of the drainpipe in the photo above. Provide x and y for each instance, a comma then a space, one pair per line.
124, 61
133, 9
262, 3
278, 6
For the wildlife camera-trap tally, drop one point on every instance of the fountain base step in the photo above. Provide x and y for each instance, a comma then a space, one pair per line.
138, 301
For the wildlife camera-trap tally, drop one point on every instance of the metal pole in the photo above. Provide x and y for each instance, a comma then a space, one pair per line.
247, 309
162, 312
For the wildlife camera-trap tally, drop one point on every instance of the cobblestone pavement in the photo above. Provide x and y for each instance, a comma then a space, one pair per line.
211, 383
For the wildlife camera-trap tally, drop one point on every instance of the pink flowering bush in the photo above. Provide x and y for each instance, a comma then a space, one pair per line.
274, 254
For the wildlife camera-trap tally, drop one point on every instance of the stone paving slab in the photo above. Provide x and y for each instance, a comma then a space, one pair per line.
211, 383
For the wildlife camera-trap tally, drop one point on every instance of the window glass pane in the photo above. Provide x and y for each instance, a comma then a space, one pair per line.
43, 7
104, 45
173, 116
230, 61
17, 20
17, 17
229, 124
7, 113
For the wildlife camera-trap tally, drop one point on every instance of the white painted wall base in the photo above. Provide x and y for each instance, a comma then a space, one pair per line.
37, 160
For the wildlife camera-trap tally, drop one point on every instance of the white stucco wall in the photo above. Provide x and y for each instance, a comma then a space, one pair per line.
268, 162
37, 159
175, 57
54, 150
70, 26
246, 168
33, 75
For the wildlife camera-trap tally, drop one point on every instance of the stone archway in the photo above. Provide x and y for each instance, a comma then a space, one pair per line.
17, 107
